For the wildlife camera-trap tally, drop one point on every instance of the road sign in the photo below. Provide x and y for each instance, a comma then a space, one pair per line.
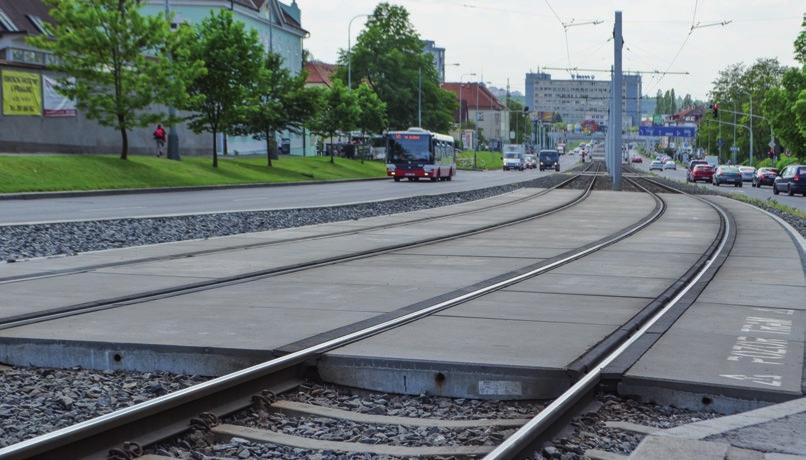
734, 149
720, 142
669, 131
772, 143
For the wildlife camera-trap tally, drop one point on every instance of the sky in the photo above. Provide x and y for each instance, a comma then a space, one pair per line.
505, 39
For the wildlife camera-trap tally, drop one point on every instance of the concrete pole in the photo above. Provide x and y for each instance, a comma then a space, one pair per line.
751, 128
618, 43
173, 136
420, 97
733, 146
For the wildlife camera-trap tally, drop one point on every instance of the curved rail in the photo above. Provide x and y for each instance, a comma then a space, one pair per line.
520, 441
95, 435
102, 304
236, 247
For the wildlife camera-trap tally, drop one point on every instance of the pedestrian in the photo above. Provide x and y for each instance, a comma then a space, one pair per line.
159, 137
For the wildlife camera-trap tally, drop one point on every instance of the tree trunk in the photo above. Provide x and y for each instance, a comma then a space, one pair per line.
124, 139
268, 148
332, 150
215, 148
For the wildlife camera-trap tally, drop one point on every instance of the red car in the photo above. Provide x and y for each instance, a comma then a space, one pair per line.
637, 160
701, 172
764, 176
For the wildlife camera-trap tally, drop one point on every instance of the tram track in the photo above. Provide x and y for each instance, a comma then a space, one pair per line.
169, 415
188, 288
590, 169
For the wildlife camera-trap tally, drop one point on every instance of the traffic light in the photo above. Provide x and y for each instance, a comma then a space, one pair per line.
714, 109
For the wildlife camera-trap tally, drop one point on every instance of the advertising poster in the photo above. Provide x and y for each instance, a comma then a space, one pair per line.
56, 105
22, 93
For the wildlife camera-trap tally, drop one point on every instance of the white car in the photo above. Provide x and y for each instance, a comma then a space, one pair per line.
656, 165
670, 165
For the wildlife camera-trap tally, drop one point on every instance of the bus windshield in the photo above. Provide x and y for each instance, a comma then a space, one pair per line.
511, 156
409, 147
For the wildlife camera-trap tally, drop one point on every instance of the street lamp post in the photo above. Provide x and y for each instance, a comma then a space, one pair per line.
349, 50
173, 136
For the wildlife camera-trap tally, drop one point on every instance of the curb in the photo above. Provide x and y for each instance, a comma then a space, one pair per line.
195, 188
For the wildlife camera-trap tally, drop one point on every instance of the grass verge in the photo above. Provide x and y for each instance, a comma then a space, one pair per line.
484, 160
770, 203
37, 173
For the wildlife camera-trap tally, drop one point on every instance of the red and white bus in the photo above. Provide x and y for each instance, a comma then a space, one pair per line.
417, 153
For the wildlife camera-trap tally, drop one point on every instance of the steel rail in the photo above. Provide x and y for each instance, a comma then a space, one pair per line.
91, 436
236, 247
104, 304
520, 441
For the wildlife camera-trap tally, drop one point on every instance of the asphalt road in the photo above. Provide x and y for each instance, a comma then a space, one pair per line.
762, 193
210, 201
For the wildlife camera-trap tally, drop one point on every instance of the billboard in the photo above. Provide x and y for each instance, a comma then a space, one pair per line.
56, 105
667, 131
22, 93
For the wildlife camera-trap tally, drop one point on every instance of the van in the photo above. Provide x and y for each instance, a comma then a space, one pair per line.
549, 159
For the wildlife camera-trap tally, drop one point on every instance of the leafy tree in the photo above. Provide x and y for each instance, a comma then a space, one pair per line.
117, 63
372, 118
779, 108
687, 101
233, 58
338, 112
672, 102
278, 100
388, 56
800, 43
519, 121
659, 102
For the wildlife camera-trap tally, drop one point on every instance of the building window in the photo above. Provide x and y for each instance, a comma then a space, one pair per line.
5, 21
40, 25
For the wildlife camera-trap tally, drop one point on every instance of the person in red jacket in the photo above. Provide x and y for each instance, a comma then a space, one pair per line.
160, 137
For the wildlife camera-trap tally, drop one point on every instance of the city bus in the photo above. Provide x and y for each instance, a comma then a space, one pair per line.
417, 153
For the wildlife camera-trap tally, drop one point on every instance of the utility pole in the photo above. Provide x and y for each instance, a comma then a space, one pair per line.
618, 43
733, 146
420, 97
173, 136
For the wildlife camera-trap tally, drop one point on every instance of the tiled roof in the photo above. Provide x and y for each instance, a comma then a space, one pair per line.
319, 73
19, 12
486, 99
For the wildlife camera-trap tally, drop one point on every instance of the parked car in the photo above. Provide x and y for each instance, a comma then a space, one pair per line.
747, 173
700, 172
531, 161
549, 159
656, 164
670, 165
727, 175
792, 180
764, 176
636, 159
514, 160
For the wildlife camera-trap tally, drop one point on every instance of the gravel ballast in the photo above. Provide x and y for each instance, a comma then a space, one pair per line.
588, 431
70, 238
35, 401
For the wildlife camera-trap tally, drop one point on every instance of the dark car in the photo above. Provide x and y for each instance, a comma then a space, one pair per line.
700, 172
792, 180
549, 159
727, 175
764, 176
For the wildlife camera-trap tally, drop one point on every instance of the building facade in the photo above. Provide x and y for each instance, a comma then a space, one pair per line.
46, 127
478, 105
439, 58
582, 98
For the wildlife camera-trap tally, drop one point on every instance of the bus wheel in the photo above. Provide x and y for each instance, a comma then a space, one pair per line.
397, 179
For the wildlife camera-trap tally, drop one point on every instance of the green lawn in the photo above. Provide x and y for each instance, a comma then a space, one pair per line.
34, 173
484, 160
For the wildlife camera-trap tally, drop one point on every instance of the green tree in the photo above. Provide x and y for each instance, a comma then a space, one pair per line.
672, 102
659, 102
779, 108
372, 118
519, 121
687, 101
388, 56
338, 112
116, 62
233, 59
278, 101
800, 43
